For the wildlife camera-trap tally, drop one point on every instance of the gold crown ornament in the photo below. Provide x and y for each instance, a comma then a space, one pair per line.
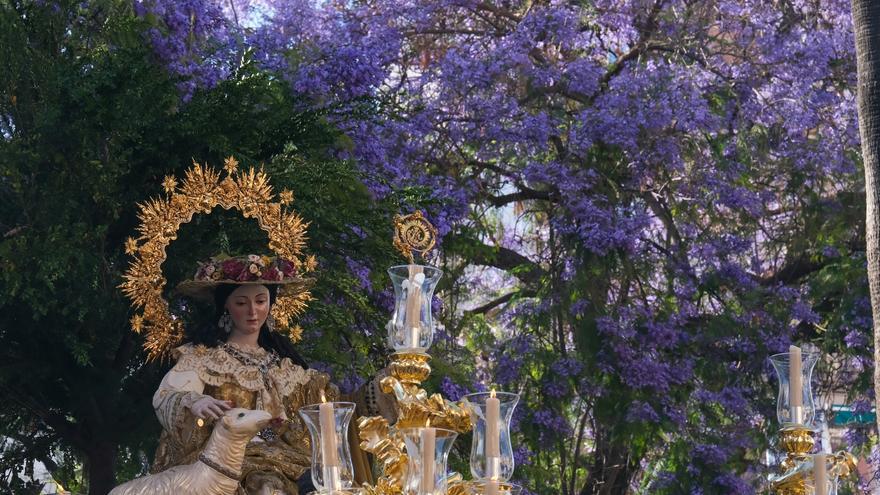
201, 190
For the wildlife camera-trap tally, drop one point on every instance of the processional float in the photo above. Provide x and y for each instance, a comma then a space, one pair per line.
411, 453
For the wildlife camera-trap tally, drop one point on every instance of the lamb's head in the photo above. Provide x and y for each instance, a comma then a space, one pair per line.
245, 421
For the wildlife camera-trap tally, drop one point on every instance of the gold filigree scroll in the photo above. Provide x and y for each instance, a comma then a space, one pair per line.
200, 192
413, 234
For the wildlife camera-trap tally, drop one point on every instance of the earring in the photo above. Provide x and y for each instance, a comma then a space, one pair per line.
225, 322
270, 322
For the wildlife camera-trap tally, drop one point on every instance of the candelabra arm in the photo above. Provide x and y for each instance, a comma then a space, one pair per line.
392, 386
843, 464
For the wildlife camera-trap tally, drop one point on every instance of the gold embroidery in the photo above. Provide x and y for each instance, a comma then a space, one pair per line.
239, 396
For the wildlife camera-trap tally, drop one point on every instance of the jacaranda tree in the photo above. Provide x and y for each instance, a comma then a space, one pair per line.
646, 198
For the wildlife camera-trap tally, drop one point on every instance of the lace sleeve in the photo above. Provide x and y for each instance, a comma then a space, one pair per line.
179, 389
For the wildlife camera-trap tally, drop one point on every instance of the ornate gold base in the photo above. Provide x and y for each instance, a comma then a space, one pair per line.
410, 368
797, 441
415, 409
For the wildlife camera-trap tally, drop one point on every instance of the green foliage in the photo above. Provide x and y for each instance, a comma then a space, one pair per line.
91, 125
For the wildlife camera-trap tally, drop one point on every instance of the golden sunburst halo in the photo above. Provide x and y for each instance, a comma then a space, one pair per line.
200, 192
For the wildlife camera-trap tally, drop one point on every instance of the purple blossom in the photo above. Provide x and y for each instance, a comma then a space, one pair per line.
452, 390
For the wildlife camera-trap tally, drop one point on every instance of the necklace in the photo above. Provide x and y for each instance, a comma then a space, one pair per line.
263, 364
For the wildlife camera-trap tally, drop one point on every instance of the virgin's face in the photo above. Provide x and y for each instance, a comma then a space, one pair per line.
248, 305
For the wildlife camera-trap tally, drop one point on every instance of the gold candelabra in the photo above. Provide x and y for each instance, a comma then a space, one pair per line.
796, 412
416, 408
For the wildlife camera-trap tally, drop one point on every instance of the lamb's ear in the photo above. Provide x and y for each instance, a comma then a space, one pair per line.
226, 420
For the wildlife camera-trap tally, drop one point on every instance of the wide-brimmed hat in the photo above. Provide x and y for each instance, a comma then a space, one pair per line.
251, 269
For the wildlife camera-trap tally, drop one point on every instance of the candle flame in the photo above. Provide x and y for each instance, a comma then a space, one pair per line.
323, 397
492, 393
428, 423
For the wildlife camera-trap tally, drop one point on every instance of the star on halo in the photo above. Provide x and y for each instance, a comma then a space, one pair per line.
230, 165
169, 184
131, 246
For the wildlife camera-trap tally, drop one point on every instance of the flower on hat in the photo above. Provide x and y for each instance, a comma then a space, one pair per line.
231, 268
272, 273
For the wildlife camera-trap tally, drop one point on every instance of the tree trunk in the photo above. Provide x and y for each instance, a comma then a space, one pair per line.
866, 23
101, 460
612, 469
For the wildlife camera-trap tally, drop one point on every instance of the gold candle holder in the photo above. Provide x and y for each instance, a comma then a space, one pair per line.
797, 467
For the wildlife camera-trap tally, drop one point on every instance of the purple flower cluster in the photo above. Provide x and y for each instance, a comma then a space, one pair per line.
192, 38
552, 426
452, 390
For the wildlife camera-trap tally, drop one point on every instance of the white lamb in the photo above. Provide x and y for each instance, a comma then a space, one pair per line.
217, 470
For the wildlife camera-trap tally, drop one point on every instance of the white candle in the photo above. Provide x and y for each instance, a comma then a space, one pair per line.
493, 436
795, 384
413, 306
820, 474
328, 445
491, 487
428, 437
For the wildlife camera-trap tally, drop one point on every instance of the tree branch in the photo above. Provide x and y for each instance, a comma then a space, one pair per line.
522, 195
478, 253
499, 301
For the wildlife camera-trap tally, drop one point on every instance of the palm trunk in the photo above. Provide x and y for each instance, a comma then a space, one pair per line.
866, 22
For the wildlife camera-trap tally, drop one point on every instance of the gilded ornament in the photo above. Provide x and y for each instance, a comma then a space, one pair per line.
413, 233
130, 246
230, 165
137, 323
200, 192
169, 184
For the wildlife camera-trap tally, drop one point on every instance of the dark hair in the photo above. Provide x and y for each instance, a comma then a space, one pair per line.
210, 335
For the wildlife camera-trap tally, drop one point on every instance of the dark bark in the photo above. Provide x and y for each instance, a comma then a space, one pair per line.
866, 22
101, 464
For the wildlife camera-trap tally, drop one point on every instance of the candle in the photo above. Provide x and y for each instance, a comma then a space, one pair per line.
413, 306
491, 487
493, 415
795, 384
820, 474
428, 437
328, 444
493, 436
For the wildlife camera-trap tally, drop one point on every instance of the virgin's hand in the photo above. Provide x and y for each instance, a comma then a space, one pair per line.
209, 407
